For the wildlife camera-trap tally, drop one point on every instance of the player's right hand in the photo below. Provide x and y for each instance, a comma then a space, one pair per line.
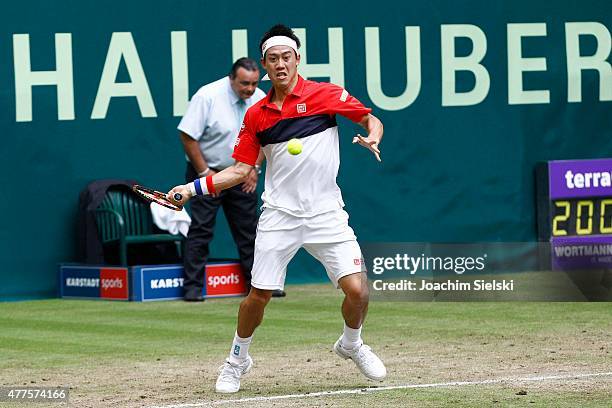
183, 190
369, 143
250, 184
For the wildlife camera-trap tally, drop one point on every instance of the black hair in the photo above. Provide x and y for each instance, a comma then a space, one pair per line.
279, 29
244, 62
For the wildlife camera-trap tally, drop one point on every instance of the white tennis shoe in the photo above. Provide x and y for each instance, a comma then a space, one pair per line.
368, 363
229, 376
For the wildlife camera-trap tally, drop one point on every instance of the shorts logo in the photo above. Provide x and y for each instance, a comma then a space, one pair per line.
301, 108
236, 350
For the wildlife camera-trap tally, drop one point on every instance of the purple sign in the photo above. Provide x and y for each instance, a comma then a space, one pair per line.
581, 237
581, 252
580, 178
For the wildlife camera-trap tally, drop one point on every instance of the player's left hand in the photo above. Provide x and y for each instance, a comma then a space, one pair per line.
250, 183
369, 143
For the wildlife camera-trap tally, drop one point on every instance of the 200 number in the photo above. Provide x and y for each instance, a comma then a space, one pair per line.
584, 217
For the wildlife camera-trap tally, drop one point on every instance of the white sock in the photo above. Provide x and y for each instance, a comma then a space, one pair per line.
240, 349
351, 338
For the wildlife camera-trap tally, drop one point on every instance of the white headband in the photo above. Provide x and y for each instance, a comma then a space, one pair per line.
279, 40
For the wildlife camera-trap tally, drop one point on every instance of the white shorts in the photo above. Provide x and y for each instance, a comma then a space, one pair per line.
327, 237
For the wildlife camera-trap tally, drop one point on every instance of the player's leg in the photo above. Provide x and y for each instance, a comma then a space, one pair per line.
276, 243
251, 312
330, 240
250, 315
350, 345
354, 306
344, 266
203, 216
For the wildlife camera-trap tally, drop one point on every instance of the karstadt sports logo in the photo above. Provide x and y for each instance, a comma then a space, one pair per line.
166, 283
224, 279
232, 279
83, 282
115, 283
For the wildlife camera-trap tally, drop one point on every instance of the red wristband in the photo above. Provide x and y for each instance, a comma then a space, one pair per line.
209, 185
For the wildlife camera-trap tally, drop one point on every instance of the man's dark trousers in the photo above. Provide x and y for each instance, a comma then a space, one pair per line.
240, 210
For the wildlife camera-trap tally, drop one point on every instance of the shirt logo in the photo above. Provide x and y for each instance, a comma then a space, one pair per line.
358, 261
343, 96
301, 108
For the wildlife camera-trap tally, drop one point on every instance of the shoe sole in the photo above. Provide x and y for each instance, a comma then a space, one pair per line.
226, 392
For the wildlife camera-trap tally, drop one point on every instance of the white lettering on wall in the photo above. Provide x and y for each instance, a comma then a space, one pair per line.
240, 44
180, 72
25, 78
517, 64
374, 75
122, 47
576, 63
334, 70
452, 63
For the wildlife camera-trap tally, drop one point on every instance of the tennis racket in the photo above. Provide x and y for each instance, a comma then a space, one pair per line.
158, 197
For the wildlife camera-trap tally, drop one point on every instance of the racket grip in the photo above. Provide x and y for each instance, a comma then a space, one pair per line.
178, 196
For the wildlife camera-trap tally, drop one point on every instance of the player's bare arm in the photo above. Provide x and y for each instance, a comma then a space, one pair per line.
225, 179
374, 127
250, 183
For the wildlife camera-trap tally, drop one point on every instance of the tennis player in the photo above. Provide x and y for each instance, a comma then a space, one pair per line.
303, 205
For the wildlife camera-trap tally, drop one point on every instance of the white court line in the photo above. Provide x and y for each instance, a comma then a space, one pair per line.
391, 387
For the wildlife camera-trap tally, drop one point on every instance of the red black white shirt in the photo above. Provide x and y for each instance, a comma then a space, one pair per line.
303, 185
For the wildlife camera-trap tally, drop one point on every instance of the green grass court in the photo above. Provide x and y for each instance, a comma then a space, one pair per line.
165, 353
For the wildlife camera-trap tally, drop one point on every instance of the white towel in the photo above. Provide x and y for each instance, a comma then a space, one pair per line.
170, 220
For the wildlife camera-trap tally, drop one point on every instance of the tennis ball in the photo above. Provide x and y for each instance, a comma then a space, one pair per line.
294, 146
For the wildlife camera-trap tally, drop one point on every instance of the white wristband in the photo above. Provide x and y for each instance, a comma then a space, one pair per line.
199, 187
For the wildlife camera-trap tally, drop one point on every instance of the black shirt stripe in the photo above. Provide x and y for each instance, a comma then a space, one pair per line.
296, 128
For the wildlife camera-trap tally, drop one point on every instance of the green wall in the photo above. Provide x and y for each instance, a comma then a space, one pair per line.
455, 167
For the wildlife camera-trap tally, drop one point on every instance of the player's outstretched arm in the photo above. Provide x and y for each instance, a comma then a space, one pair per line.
250, 183
375, 130
226, 178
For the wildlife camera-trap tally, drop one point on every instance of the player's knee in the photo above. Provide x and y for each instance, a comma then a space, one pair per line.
359, 294
259, 296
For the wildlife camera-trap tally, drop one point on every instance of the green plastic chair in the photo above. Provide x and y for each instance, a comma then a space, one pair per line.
124, 218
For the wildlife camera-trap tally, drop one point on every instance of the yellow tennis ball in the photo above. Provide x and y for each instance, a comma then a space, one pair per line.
294, 146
